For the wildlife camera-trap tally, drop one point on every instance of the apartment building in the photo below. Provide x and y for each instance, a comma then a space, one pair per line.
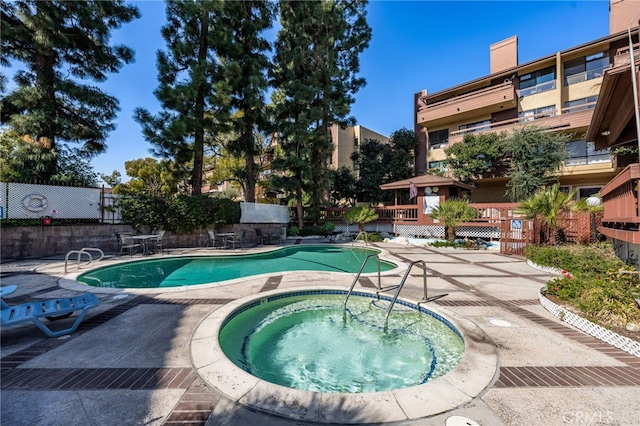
347, 140
557, 92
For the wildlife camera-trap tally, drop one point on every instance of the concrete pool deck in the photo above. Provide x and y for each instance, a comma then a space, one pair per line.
132, 360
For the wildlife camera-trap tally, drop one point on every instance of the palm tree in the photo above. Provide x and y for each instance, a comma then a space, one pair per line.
360, 215
546, 205
454, 212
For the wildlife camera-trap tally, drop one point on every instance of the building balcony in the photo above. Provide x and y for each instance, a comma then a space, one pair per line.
569, 119
479, 102
621, 219
622, 56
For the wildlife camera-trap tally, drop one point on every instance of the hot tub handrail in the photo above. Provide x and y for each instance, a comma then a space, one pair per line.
404, 278
355, 280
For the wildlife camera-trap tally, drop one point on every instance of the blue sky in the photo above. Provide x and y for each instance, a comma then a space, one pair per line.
415, 45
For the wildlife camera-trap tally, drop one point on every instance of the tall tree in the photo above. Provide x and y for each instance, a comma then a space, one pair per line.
61, 44
150, 177
191, 90
477, 156
245, 66
401, 156
317, 62
380, 163
536, 156
372, 160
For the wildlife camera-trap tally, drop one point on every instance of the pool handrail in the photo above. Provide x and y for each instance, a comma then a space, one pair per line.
84, 250
404, 278
355, 280
366, 241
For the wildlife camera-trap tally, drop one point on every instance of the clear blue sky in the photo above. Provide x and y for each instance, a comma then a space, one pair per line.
416, 45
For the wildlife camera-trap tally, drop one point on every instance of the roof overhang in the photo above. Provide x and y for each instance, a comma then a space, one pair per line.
424, 181
613, 121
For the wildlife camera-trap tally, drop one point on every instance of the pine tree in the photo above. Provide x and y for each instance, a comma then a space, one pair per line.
245, 65
191, 90
61, 44
317, 61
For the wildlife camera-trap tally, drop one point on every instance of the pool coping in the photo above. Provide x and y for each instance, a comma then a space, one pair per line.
470, 379
69, 280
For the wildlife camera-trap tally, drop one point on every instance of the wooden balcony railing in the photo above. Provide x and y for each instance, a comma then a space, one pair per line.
490, 213
621, 219
569, 118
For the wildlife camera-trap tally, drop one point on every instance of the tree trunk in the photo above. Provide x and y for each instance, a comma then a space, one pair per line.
198, 137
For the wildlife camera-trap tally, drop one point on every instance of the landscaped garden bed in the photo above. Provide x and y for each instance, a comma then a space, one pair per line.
598, 286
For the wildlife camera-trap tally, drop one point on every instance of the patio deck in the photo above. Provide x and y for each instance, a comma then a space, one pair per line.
129, 362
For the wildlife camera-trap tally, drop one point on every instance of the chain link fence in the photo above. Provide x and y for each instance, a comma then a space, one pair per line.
41, 201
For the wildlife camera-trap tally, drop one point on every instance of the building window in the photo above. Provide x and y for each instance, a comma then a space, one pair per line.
476, 127
583, 152
537, 81
437, 165
537, 113
580, 104
585, 68
438, 138
587, 192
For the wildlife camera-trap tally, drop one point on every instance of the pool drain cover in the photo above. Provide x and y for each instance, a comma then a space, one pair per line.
500, 322
460, 421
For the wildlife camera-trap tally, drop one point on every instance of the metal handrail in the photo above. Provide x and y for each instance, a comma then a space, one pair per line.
404, 278
366, 241
355, 280
84, 250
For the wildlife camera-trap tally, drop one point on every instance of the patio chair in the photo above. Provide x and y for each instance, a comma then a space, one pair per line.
126, 243
52, 309
214, 240
159, 243
260, 237
237, 239
280, 235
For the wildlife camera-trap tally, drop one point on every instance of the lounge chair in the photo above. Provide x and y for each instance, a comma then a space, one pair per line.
52, 309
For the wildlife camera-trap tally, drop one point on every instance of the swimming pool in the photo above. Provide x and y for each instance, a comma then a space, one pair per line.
194, 270
309, 341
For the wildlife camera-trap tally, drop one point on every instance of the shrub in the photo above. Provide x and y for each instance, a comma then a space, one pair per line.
182, 213
294, 231
372, 237
600, 287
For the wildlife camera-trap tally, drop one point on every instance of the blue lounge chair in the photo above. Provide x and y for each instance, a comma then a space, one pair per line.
52, 309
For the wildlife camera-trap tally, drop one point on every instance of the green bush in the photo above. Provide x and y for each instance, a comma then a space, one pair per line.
372, 237
294, 231
182, 213
600, 286
309, 230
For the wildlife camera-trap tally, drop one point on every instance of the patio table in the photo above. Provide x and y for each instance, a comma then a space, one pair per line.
224, 235
145, 239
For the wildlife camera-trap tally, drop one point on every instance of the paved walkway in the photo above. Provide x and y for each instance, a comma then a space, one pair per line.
129, 363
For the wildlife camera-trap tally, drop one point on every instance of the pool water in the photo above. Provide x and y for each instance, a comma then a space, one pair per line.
312, 343
185, 271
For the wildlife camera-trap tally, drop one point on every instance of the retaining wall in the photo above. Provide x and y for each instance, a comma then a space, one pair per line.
24, 242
